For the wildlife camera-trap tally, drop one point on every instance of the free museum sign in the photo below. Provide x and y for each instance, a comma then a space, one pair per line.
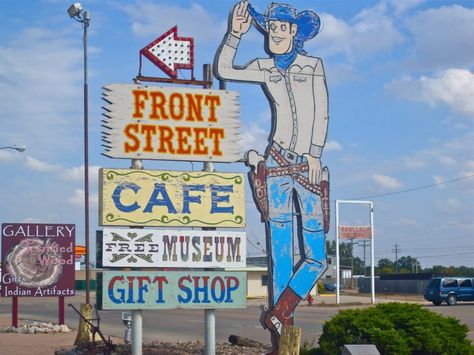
183, 248
170, 123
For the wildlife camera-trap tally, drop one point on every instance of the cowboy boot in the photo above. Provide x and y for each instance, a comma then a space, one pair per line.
275, 337
282, 312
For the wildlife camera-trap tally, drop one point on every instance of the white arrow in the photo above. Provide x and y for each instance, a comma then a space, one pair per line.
170, 52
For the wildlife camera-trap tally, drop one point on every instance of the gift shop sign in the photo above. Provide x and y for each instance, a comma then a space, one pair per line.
38, 259
172, 248
170, 123
171, 198
171, 289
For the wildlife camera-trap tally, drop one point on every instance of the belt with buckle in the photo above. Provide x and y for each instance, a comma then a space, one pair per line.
290, 156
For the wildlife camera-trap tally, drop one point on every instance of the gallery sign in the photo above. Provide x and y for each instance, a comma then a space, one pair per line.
355, 232
38, 260
172, 248
171, 289
170, 123
171, 198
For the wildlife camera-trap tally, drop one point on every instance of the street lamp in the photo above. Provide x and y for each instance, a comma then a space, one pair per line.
77, 12
20, 148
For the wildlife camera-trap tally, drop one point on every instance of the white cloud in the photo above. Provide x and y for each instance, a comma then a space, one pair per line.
439, 180
386, 182
371, 31
332, 146
77, 198
408, 222
38, 165
151, 19
39, 87
76, 173
253, 137
414, 163
446, 160
453, 87
449, 205
402, 6
443, 38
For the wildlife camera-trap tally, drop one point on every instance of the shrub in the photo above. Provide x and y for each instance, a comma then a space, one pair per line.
396, 328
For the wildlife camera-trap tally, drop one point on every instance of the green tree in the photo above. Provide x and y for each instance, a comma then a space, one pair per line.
385, 266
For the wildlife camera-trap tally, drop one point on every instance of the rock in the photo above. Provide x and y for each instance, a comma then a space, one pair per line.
34, 328
10, 329
49, 325
56, 329
30, 330
34, 324
64, 328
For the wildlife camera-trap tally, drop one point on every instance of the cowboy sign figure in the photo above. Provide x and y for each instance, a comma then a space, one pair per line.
290, 186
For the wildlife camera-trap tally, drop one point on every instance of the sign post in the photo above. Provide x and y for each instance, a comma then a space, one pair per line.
355, 232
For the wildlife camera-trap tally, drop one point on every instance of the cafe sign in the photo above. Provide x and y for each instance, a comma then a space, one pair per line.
170, 123
171, 198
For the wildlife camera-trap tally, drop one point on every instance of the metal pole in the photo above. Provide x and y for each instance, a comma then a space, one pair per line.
337, 253
137, 332
372, 248
209, 314
137, 319
85, 25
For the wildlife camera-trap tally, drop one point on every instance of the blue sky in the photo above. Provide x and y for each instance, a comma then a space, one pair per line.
401, 85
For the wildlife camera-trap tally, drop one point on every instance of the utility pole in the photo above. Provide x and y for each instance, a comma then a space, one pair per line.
396, 251
364, 245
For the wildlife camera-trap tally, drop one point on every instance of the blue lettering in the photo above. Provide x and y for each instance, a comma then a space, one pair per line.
231, 287
185, 289
204, 290
165, 201
214, 291
116, 197
215, 198
187, 199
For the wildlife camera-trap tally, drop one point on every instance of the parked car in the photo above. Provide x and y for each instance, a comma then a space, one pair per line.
449, 290
331, 286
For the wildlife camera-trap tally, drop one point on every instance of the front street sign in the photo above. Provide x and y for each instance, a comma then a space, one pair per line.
171, 123
130, 290
171, 198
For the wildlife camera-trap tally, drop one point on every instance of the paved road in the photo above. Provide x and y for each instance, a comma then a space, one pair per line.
173, 325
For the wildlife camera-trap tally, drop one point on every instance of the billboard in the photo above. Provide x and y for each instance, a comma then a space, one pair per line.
171, 198
171, 123
38, 259
130, 290
355, 232
172, 248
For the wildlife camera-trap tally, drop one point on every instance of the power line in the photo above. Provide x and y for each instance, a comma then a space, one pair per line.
414, 188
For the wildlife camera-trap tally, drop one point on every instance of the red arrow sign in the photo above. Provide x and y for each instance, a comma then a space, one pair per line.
170, 52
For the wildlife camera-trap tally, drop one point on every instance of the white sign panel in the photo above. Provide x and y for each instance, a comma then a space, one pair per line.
171, 123
173, 248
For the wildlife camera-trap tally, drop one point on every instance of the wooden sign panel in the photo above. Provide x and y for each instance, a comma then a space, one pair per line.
130, 290
37, 259
171, 123
171, 198
172, 248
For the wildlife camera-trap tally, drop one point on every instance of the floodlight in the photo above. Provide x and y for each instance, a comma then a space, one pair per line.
20, 148
75, 9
